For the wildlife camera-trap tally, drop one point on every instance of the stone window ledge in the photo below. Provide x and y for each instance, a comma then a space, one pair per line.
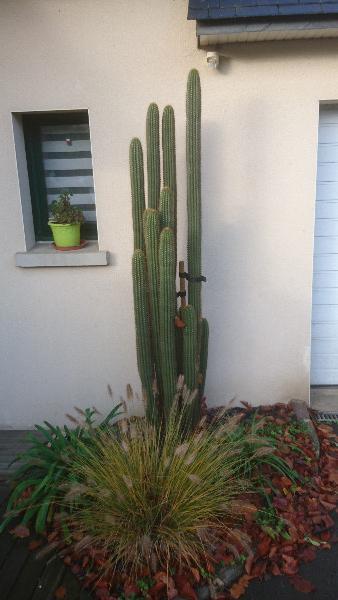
44, 255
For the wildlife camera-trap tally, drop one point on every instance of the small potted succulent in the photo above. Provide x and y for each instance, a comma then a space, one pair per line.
65, 222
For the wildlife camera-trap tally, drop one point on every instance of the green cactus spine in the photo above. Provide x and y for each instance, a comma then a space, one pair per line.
143, 347
193, 154
137, 191
167, 316
153, 156
151, 236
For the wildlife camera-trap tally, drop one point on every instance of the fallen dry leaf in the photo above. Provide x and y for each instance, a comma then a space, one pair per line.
61, 593
301, 584
238, 589
20, 531
34, 544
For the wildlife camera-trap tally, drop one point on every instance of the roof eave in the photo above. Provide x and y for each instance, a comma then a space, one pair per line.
213, 33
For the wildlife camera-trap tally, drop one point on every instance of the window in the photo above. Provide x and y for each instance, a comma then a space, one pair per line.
59, 159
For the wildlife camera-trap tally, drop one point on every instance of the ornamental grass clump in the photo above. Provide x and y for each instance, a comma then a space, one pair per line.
159, 498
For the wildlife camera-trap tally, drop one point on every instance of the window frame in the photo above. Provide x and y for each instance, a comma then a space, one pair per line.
31, 127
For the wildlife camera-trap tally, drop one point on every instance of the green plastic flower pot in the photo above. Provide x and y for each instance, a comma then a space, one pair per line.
65, 235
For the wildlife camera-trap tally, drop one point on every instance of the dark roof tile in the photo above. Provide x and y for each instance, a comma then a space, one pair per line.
246, 9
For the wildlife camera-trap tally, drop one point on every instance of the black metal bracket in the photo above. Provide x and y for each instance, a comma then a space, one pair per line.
192, 279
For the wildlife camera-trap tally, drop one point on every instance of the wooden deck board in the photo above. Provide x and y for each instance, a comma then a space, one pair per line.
28, 579
49, 581
22, 575
12, 567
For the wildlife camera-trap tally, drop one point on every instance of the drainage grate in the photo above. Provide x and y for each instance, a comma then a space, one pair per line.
323, 417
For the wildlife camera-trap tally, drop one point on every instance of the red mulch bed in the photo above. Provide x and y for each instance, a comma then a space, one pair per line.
300, 525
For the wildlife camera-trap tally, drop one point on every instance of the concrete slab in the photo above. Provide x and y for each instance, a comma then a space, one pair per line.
324, 399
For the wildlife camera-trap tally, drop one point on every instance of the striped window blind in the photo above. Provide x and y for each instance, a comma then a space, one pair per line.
67, 165
59, 159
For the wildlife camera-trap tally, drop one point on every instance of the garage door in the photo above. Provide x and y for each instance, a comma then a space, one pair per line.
324, 361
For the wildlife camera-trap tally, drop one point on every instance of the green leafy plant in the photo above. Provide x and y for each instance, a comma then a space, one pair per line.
159, 497
270, 522
63, 212
264, 455
47, 466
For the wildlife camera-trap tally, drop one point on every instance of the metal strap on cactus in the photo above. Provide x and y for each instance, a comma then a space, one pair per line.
168, 344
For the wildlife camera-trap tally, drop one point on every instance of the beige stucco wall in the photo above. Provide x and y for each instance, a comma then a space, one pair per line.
67, 332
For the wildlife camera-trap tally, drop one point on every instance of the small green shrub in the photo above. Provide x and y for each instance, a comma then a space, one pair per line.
161, 497
46, 467
63, 212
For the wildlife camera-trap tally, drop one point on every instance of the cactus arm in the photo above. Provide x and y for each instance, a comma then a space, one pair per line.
169, 157
151, 236
137, 191
167, 209
203, 355
188, 315
153, 156
141, 312
167, 316
193, 156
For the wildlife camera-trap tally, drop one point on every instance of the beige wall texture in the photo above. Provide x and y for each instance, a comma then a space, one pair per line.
68, 332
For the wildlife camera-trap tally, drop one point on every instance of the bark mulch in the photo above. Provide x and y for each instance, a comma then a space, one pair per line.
292, 547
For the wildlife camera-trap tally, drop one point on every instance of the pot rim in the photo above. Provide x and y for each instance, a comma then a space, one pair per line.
51, 223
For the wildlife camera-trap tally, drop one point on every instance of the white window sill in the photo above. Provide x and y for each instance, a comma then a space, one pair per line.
44, 255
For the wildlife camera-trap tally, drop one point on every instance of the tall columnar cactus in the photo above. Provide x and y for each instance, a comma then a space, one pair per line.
152, 238
137, 191
203, 355
167, 315
168, 342
193, 153
153, 156
169, 157
188, 315
144, 361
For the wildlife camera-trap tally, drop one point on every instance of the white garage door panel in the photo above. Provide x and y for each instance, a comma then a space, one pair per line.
326, 245
325, 296
327, 191
325, 262
327, 209
327, 153
324, 348
327, 172
330, 376
328, 133
325, 331
325, 227
326, 361
327, 279
325, 313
